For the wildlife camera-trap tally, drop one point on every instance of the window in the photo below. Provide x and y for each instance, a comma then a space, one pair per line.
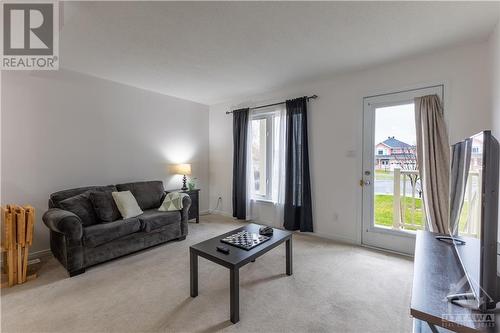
380, 152
264, 126
259, 156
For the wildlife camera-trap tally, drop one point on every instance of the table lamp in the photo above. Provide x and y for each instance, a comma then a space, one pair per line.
181, 169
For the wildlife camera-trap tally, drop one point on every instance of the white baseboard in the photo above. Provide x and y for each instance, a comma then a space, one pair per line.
40, 254
379, 249
348, 241
339, 239
220, 212
35, 255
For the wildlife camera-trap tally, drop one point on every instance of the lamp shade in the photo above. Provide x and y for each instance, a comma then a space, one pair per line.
180, 169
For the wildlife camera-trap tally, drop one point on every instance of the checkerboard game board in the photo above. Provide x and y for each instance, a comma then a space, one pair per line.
245, 240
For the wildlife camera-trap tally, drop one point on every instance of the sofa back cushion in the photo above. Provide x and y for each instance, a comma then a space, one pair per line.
57, 197
104, 206
81, 206
148, 194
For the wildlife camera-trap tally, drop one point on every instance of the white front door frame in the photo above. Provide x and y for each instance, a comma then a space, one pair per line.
371, 235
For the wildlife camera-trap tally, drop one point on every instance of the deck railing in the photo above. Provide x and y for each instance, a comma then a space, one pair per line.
402, 220
404, 212
471, 210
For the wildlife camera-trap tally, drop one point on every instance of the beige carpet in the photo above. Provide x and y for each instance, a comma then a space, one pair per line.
334, 288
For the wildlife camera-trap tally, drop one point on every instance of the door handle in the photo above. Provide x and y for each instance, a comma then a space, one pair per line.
364, 182
367, 182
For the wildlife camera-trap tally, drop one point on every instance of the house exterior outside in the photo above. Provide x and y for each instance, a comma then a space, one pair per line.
392, 153
477, 153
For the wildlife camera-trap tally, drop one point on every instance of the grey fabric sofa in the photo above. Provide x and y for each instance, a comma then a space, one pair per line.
79, 238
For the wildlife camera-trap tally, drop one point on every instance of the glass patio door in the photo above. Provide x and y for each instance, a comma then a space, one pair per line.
392, 195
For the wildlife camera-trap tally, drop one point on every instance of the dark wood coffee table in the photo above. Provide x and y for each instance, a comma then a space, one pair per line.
236, 259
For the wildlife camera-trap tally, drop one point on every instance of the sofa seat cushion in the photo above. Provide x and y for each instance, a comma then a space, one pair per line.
153, 219
102, 233
148, 194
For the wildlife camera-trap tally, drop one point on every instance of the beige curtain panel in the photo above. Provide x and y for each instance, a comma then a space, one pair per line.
433, 158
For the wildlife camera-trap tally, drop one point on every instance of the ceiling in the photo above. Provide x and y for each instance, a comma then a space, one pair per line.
211, 52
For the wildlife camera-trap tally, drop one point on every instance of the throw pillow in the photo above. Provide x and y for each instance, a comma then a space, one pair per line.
104, 206
126, 203
172, 201
81, 206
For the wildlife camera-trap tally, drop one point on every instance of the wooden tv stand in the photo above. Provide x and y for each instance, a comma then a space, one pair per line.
436, 269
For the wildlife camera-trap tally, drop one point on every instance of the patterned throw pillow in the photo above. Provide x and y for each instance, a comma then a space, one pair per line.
172, 201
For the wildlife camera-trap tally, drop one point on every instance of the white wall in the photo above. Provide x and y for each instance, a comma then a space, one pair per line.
63, 129
335, 127
495, 65
495, 84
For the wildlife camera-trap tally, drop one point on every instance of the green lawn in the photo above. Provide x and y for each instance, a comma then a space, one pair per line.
463, 216
384, 211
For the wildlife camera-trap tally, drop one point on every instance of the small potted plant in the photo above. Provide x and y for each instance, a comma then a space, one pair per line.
192, 184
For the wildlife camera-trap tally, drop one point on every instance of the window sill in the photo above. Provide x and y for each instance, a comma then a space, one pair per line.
265, 201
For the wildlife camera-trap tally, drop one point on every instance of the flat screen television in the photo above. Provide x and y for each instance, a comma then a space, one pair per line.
473, 223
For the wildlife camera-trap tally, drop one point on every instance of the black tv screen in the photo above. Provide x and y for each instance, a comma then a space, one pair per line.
474, 215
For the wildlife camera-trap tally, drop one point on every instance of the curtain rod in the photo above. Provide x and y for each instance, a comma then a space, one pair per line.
274, 104
407, 90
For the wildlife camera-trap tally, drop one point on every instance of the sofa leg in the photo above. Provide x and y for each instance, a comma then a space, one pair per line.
181, 238
76, 272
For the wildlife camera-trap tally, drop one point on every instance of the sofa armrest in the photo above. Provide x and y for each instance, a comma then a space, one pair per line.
64, 222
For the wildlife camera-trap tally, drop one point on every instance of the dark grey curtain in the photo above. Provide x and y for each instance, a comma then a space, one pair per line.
298, 202
240, 128
460, 165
